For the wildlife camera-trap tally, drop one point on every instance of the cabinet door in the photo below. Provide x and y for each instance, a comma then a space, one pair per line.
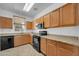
77, 14
51, 47
25, 39
30, 39
22, 39
33, 22
55, 18
43, 46
5, 22
67, 14
29, 25
18, 40
65, 49
47, 21
38, 20
8, 22
0, 22
41, 20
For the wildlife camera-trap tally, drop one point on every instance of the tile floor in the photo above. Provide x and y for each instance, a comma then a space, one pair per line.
25, 50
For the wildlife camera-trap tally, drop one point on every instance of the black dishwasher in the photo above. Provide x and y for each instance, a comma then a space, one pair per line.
7, 42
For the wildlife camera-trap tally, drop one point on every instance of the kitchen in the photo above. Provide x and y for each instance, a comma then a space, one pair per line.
47, 29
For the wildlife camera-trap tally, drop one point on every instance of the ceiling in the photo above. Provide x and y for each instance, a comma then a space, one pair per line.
18, 8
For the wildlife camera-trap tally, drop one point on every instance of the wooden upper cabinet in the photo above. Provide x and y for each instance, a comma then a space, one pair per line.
43, 45
77, 14
67, 15
0, 22
29, 25
37, 21
47, 21
34, 24
5, 22
41, 20
55, 18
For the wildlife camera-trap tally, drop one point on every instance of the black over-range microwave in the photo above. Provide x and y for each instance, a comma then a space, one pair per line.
40, 26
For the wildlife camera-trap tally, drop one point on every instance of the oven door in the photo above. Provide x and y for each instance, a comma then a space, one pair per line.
36, 43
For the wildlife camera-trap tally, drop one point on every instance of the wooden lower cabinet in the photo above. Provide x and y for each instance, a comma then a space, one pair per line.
30, 39
64, 49
21, 39
43, 46
78, 51
51, 48
54, 48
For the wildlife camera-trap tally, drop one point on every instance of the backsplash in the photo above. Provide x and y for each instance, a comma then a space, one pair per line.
72, 31
68, 31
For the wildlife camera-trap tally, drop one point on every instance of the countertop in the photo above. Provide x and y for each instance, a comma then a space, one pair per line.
12, 34
66, 39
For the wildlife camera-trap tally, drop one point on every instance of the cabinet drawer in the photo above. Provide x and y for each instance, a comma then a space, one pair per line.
51, 41
51, 47
43, 45
65, 46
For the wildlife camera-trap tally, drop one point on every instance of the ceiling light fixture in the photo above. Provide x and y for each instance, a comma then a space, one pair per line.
28, 6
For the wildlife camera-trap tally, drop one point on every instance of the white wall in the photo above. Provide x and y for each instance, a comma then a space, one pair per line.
69, 31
